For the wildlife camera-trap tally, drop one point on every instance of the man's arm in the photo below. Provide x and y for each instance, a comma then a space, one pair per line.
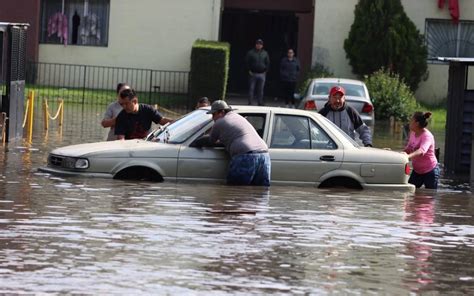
108, 122
267, 62
165, 120
365, 135
120, 126
109, 119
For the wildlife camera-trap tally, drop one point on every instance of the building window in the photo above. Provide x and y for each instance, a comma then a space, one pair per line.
447, 39
75, 22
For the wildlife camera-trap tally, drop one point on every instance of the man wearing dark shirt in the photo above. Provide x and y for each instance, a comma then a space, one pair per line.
134, 122
257, 62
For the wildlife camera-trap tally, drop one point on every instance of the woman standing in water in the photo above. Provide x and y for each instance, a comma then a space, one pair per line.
421, 151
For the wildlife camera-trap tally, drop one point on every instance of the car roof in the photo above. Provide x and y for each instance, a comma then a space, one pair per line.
339, 80
248, 108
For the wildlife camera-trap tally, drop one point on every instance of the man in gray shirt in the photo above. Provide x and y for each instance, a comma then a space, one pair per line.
250, 163
113, 110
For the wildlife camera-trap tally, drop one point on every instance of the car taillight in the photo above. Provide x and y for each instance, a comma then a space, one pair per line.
407, 169
367, 108
310, 105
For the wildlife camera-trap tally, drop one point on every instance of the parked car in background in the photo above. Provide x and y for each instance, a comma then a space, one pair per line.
357, 96
305, 149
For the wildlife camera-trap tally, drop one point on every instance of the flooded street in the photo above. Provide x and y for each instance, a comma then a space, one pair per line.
96, 236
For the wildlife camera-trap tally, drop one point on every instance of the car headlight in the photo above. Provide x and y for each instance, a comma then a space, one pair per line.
81, 163
70, 162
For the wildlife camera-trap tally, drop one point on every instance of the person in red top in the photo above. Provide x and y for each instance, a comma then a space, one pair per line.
421, 151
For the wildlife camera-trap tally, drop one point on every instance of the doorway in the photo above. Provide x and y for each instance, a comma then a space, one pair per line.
240, 28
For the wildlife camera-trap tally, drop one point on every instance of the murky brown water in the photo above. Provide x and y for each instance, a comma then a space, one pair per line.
80, 235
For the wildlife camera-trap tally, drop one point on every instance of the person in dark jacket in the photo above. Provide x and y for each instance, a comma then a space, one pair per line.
289, 71
257, 62
344, 116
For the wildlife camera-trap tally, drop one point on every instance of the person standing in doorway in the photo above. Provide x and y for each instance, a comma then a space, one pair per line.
289, 72
258, 63
421, 151
112, 111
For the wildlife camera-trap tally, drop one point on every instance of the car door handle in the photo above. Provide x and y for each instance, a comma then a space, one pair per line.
327, 158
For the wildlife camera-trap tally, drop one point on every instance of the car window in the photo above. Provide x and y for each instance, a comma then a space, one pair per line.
299, 132
322, 88
183, 128
290, 131
319, 138
257, 120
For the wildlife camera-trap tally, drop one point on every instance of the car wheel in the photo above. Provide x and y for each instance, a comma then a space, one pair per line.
139, 173
344, 182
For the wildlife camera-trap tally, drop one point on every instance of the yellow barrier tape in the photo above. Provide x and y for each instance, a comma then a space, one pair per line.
61, 105
167, 110
27, 108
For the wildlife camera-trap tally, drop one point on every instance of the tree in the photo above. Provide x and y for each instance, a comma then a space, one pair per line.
382, 36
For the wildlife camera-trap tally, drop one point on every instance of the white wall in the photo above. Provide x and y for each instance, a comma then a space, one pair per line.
151, 34
333, 20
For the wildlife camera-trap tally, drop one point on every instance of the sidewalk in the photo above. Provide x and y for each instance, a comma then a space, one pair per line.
239, 99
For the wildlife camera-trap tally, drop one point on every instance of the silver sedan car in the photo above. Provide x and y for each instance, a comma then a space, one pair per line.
357, 96
305, 149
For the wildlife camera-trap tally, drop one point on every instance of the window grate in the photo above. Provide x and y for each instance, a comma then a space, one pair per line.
446, 39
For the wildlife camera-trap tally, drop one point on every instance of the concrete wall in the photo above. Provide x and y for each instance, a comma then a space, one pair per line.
24, 11
332, 24
151, 34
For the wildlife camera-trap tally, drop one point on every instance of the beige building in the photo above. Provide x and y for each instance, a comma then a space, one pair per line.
158, 34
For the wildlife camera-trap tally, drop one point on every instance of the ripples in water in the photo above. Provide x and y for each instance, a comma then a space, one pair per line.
81, 235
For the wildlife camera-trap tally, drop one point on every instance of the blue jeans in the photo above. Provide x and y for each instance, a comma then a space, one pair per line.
256, 82
430, 179
250, 169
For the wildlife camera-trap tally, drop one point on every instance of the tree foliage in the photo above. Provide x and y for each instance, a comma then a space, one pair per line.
382, 36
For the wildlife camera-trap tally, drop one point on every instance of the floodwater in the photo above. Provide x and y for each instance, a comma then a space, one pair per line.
98, 236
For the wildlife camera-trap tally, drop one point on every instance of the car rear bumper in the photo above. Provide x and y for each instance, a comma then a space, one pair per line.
397, 187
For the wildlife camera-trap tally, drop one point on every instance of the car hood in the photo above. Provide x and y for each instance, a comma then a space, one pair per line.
107, 149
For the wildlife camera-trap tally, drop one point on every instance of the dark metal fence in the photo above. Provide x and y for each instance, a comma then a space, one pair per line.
89, 89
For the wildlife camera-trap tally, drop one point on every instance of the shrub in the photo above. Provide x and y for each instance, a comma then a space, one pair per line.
317, 71
391, 96
209, 69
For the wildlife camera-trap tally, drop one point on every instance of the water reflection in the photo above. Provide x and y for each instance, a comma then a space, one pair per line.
81, 235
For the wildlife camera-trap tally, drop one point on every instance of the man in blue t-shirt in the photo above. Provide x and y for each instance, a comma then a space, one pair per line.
134, 122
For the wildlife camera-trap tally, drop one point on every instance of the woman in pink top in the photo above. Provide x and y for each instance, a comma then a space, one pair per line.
421, 151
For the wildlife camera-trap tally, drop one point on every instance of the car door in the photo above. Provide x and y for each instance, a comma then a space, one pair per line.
212, 162
300, 150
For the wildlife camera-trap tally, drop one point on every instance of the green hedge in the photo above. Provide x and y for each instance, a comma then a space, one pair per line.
209, 69
391, 96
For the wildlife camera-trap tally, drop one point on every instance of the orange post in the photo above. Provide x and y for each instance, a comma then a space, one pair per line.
45, 113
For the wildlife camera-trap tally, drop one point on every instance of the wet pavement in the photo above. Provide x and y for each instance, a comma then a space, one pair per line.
98, 236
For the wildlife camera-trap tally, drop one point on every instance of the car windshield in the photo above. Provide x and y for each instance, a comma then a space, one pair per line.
322, 88
180, 130
340, 131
